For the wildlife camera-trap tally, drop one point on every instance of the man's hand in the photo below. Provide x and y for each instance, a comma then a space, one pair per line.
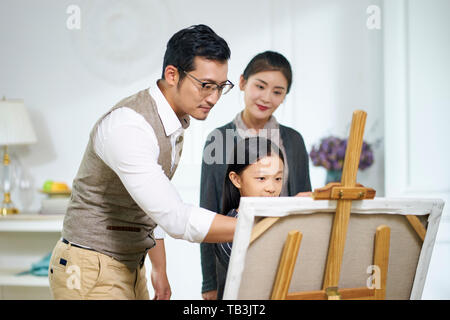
161, 285
160, 282
210, 295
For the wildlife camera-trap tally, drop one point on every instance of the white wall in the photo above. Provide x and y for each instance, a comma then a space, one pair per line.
417, 111
68, 78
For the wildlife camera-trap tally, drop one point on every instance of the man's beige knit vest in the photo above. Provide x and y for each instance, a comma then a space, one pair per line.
101, 214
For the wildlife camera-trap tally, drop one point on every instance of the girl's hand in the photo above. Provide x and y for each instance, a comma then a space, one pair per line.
304, 194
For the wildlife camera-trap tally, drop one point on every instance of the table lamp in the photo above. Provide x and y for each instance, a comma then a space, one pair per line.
15, 129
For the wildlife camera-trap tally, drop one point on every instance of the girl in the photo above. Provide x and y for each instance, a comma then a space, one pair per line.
265, 82
259, 174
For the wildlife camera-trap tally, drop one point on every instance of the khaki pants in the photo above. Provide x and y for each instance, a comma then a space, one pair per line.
81, 274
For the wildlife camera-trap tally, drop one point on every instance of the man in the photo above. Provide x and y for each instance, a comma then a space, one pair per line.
122, 190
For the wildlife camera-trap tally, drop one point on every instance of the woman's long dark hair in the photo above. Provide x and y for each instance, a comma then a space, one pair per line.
246, 152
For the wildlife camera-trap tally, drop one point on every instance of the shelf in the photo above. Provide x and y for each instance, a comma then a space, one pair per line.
9, 278
31, 222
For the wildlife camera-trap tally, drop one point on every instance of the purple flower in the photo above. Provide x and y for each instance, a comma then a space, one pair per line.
330, 154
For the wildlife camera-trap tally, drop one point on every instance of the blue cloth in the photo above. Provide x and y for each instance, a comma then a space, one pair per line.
39, 268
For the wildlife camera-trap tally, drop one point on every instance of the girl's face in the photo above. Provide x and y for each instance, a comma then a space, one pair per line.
263, 178
263, 93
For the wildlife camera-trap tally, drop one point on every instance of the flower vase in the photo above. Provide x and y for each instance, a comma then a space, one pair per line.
333, 176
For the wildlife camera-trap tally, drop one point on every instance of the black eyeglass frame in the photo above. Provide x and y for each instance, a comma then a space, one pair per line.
218, 87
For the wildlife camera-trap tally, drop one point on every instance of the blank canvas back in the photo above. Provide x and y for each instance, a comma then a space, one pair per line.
264, 254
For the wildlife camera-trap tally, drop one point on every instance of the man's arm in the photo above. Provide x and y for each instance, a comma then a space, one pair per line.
159, 278
128, 145
221, 230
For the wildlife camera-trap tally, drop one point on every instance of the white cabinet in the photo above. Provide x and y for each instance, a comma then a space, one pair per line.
25, 239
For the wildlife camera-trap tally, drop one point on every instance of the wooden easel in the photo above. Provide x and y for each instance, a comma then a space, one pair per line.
344, 193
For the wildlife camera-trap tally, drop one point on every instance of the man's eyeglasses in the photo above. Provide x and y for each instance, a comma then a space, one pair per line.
208, 88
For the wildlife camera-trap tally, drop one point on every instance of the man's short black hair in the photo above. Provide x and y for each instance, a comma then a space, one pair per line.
195, 41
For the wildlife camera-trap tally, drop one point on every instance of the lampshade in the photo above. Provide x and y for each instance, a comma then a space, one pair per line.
15, 123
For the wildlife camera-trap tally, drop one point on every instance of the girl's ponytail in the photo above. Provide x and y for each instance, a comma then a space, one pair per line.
230, 196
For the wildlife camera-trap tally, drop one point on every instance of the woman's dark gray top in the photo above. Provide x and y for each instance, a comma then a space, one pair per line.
214, 166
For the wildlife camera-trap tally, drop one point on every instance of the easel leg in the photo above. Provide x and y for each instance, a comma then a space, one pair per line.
337, 244
343, 208
381, 258
287, 264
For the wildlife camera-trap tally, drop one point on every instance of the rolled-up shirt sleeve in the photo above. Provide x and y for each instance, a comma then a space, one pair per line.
159, 233
130, 148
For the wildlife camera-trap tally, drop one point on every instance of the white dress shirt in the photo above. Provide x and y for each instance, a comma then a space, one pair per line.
127, 143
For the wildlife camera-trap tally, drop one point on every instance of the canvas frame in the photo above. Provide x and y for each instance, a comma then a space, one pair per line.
253, 207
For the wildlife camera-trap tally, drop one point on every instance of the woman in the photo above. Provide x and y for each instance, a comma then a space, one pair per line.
265, 82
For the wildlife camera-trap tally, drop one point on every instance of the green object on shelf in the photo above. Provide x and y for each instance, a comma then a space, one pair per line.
39, 268
47, 187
